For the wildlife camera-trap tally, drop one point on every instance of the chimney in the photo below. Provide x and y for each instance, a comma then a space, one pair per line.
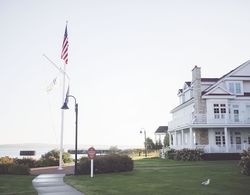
196, 74
199, 104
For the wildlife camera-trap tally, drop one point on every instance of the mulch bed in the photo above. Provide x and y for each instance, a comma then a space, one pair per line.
68, 170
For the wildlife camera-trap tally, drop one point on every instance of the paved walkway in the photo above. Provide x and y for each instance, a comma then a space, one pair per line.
53, 184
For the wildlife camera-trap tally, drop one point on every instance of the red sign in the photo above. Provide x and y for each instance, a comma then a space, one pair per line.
91, 152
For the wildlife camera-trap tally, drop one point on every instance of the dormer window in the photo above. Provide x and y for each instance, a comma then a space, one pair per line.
235, 87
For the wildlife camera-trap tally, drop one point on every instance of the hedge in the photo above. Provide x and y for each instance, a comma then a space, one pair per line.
14, 169
221, 156
184, 154
106, 164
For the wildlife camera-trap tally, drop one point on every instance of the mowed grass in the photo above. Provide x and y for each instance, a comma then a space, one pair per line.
16, 185
158, 176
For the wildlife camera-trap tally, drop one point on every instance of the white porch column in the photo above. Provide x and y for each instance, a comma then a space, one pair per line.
175, 139
191, 137
226, 138
182, 138
169, 139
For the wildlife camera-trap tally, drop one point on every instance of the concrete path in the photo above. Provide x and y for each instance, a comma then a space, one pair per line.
53, 184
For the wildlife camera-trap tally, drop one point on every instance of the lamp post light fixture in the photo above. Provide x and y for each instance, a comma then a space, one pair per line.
145, 141
65, 107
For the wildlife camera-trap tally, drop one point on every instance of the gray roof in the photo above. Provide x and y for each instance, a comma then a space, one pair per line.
162, 129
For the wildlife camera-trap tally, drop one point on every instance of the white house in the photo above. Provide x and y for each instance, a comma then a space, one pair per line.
160, 133
214, 113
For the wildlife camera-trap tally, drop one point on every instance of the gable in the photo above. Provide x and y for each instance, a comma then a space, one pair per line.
186, 85
241, 71
217, 91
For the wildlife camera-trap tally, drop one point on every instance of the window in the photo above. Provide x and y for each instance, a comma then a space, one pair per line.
249, 139
236, 116
219, 111
216, 111
231, 87
235, 87
223, 110
219, 138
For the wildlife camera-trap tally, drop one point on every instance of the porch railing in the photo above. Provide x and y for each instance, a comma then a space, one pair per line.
232, 148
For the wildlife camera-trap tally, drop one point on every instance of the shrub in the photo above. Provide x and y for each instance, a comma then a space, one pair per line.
245, 162
14, 169
51, 158
18, 169
4, 168
170, 154
189, 154
30, 162
221, 156
6, 160
106, 164
184, 154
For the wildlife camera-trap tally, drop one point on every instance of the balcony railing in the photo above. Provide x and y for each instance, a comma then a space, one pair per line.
223, 119
205, 119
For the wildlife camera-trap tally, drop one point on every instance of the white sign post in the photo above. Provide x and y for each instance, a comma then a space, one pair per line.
91, 155
92, 168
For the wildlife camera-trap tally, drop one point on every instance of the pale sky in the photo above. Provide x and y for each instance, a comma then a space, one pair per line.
127, 60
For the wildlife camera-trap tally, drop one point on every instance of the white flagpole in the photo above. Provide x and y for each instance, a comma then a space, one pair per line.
62, 120
64, 56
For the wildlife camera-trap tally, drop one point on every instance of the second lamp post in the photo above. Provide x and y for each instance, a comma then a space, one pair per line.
145, 141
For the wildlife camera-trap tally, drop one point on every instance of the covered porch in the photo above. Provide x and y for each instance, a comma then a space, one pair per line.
211, 140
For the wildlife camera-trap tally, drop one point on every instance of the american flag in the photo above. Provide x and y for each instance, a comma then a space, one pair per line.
65, 46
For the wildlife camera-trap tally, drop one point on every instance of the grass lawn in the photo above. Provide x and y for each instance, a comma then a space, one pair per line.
158, 176
16, 184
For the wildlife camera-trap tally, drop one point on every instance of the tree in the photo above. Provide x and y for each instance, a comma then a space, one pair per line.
150, 144
166, 140
158, 144
51, 158
114, 150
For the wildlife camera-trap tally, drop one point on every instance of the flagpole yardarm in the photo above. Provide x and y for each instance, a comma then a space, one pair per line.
56, 66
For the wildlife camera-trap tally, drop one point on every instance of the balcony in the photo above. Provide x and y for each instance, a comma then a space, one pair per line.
222, 119
205, 119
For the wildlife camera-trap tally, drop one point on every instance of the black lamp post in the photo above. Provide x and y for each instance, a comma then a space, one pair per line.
145, 142
65, 107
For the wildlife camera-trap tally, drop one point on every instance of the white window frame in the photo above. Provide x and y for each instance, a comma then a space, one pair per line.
220, 111
219, 138
236, 113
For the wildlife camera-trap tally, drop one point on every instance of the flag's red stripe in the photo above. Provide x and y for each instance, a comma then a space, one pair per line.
65, 45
